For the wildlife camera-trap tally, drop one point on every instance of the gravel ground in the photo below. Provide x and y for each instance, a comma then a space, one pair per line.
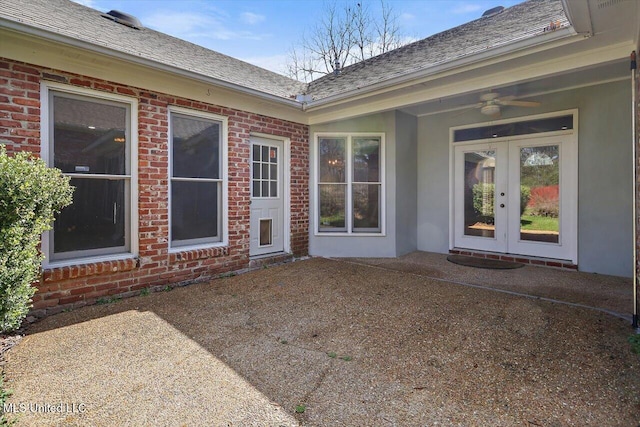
355, 344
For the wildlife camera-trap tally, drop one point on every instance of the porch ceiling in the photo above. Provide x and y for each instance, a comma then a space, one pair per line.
526, 90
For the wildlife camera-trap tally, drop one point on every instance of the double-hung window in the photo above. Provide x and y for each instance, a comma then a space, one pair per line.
87, 135
198, 161
350, 185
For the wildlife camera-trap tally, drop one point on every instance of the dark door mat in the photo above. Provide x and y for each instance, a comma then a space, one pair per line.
494, 264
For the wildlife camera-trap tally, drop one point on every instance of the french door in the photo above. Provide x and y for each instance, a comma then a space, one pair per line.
517, 196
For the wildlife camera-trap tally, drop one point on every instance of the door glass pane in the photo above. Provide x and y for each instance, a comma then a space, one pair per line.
95, 220
540, 194
332, 159
332, 207
265, 171
366, 202
479, 192
90, 137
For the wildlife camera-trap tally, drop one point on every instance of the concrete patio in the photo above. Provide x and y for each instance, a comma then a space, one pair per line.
408, 341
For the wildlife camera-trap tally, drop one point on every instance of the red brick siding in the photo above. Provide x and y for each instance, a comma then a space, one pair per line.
84, 283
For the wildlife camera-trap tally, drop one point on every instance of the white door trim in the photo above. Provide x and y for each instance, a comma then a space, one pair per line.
569, 150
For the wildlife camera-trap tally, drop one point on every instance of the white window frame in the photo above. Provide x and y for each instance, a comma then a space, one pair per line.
224, 179
131, 211
349, 136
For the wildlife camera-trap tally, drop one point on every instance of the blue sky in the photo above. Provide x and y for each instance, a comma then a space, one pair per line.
263, 32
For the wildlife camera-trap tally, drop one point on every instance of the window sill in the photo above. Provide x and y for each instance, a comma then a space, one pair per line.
344, 234
186, 254
92, 267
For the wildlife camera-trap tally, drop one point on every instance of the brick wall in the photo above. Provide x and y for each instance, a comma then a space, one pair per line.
84, 283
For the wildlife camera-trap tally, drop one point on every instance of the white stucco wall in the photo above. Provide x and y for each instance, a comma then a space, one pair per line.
401, 186
605, 179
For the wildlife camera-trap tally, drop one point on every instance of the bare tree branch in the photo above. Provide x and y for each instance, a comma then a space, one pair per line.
346, 33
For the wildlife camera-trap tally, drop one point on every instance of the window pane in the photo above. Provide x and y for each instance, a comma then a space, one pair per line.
265, 188
265, 153
273, 154
256, 170
550, 124
332, 207
274, 189
256, 153
265, 171
89, 136
366, 207
195, 210
366, 159
95, 219
274, 172
195, 147
332, 158
256, 189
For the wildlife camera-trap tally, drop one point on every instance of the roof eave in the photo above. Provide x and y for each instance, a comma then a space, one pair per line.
104, 50
579, 15
551, 39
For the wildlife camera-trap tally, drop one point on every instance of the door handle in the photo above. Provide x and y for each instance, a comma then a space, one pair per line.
502, 205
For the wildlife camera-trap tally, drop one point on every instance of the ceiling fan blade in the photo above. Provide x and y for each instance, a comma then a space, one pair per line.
520, 103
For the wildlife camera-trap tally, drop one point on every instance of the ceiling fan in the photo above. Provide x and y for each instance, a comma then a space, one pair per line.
491, 102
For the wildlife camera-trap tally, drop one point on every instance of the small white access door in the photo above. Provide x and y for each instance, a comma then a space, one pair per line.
517, 196
267, 196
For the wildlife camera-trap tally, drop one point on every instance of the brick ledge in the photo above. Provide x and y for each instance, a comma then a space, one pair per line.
196, 254
55, 274
542, 262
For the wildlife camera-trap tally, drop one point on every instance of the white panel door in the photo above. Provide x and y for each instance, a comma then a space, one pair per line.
267, 196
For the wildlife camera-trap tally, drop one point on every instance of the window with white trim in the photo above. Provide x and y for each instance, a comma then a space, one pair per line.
89, 139
197, 147
350, 183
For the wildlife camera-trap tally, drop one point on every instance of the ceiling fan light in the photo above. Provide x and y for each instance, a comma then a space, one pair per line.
490, 110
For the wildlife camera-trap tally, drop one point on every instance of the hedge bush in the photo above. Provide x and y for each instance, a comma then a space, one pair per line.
30, 195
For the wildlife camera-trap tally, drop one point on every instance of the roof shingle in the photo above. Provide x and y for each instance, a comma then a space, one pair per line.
66, 18
70, 19
519, 22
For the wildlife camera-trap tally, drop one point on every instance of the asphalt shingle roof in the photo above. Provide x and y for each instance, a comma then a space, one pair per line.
83, 23
519, 22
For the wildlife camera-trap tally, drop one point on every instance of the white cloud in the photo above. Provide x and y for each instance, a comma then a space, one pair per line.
193, 26
407, 17
251, 18
467, 8
275, 63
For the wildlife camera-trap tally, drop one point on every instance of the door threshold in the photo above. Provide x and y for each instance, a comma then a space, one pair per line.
269, 255
524, 259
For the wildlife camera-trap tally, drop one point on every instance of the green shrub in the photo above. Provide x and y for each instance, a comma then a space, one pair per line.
483, 195
483, 199
525, 196
30, 195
